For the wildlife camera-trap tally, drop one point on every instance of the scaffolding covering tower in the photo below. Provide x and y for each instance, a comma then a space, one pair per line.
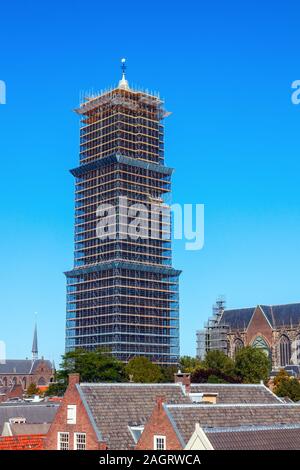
122, 293
214, 335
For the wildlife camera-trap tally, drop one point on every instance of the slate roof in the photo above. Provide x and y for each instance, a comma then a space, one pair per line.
113, 407
277, 315
259, 438
34, 413
222, 417
21, 366
242, 393
237, 319
35, 428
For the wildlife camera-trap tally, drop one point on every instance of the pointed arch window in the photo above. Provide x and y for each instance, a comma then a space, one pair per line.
261, 343
285, 350
238, 344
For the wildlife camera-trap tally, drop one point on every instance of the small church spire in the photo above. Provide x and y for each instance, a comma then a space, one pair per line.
123, 83
35, 344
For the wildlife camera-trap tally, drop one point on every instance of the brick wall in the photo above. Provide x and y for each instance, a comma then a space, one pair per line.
259, 326
158, 424
82, 425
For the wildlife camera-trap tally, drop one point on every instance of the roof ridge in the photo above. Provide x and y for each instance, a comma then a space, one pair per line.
129, 384
228, 385
232, 405
251, 427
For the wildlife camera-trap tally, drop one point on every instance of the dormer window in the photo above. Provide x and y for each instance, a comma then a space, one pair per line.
136, 432
204, 397
196, 397
17, 420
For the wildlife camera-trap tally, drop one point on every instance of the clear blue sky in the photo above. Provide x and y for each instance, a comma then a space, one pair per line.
225, 70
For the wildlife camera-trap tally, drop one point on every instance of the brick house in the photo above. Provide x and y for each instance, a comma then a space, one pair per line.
73, 427
11, 392
254, 426
114, 416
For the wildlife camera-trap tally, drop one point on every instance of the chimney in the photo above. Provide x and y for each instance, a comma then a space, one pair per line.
74, 379
159, 402
184, 379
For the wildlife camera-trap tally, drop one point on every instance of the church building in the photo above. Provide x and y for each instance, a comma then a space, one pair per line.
275, 329
27, 371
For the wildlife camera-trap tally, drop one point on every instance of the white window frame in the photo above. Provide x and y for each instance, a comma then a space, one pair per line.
59, 434
76, 434
136, 428
71, 414
164, 443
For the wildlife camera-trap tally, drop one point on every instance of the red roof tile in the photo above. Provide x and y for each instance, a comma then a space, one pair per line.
27, 442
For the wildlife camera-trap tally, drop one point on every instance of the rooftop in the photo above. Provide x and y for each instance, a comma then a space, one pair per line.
242, 393
219, 418
33, 413
277, 315
21, 366
113, 408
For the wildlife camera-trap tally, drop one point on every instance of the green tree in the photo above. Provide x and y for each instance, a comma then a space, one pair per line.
93, 366
32, 390
286, 386
56, 389
252, 365
167, 373
220, 361
213, 379
282, 375
189, 364
213, 376
142, 370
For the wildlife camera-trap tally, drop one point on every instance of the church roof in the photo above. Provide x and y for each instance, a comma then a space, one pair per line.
237, 319
22, 366
277, 315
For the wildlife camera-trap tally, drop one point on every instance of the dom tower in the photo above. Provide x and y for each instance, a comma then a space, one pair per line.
123, 292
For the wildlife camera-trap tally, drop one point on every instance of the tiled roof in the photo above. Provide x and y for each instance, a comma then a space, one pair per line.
33, 413
114, 407
21, 366
280, 438
226, 416
230, 393
24, 429
34, 442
